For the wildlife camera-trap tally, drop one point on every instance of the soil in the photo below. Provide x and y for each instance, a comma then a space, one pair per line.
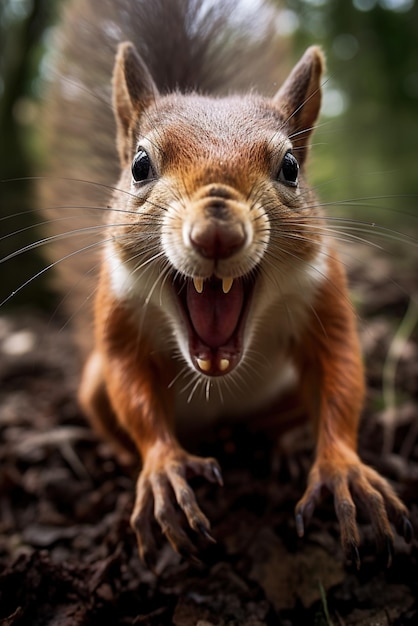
68, 555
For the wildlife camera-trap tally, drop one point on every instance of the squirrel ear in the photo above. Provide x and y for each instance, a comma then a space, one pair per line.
133, 89
300, 98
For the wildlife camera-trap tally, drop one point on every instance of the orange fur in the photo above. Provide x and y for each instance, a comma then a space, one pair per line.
330, 362
213, 207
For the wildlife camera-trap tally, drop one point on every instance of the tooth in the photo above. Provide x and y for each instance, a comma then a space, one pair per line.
198, 284
223, 364
204, 364
227, 284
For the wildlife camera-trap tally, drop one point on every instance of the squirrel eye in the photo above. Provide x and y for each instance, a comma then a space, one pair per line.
141, 167
289, 170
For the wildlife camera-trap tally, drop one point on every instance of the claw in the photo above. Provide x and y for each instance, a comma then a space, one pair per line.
146, 547
408, 530
300, 529
389, 548
205, 533
161, 494
217, 475
348, 479
355, 556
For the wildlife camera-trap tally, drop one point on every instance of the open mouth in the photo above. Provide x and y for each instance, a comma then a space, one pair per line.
215, 311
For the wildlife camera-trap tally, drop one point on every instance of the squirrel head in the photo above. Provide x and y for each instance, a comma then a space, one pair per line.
299, 98
217, 209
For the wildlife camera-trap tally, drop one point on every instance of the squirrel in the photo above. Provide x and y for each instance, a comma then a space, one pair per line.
219, 287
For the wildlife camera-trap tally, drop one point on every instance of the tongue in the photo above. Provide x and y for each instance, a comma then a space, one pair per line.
213, 313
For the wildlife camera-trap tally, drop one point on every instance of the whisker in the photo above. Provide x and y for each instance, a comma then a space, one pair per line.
68, 180
194, 389
66, 297
180, 374
50, 266
208, 386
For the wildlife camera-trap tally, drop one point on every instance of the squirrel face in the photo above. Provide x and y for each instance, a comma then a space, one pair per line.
218, 221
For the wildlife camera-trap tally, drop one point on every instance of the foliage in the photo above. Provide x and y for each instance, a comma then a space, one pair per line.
365, 147
23, 27
367, 144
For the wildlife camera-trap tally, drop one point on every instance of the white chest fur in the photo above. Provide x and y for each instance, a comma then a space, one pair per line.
276, 317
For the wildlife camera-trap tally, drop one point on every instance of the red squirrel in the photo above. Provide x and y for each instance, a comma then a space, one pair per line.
218, 290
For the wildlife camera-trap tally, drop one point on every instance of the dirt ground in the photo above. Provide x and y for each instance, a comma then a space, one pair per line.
68, 556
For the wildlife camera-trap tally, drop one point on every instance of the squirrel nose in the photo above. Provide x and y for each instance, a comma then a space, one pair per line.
218, 234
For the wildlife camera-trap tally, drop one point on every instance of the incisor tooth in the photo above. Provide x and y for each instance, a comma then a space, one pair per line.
204, 364
198, 284
223, 364
227, 284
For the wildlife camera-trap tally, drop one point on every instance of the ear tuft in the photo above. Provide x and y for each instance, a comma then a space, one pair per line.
300, 98
133, 90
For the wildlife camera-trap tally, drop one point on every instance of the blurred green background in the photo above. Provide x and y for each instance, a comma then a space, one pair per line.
365, 145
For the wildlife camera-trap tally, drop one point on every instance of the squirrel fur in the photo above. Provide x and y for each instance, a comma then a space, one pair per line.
217, 286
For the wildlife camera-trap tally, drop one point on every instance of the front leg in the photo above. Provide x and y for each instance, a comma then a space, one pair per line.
163, 483
137, 384
339, 470
332, 387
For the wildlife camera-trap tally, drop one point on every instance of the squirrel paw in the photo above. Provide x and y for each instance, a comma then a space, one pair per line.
349, 479
159, 489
